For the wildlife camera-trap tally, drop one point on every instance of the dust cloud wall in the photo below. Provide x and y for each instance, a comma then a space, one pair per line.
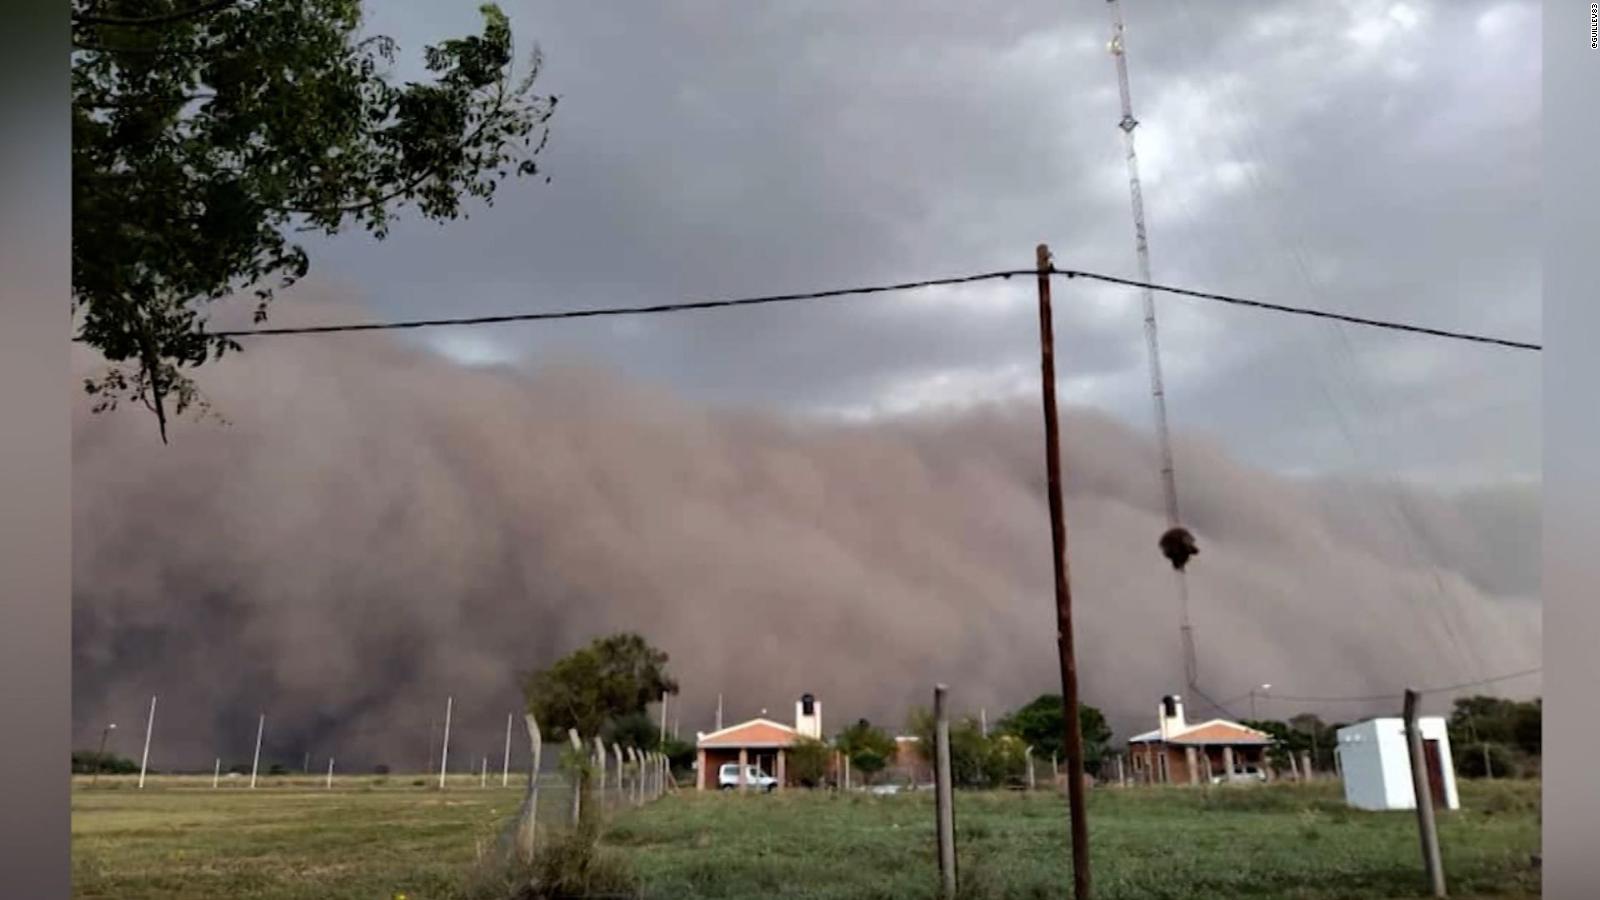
375, 529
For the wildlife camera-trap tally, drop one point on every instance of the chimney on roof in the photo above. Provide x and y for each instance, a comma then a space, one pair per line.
1171, 715
808, 717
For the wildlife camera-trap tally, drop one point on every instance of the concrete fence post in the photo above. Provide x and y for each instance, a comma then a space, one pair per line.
621, 792
527, 825
576, 775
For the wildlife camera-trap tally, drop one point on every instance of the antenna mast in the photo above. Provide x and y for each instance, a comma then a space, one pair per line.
1128, 123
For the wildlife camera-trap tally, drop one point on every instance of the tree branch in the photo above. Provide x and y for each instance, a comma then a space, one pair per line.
430, 172
163, 19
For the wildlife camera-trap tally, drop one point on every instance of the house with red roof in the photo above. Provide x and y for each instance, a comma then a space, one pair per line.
759, 742
1181, 752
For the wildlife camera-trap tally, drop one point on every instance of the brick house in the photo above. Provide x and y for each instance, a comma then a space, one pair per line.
907, 766
1181, 752
758, 742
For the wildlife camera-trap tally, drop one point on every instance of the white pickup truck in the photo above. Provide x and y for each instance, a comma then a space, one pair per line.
757, 780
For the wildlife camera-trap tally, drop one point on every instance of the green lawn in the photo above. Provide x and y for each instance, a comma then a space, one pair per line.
180, 839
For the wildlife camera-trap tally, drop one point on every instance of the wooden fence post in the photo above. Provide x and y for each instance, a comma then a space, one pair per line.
944, 796
1424, 797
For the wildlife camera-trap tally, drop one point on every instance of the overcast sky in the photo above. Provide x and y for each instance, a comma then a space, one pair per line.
1375, 158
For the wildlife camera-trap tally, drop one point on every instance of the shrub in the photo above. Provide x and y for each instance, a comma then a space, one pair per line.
808, 762
1501, 762
567, 865
85, 763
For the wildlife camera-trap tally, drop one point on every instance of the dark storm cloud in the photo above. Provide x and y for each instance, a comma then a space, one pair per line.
1377, 158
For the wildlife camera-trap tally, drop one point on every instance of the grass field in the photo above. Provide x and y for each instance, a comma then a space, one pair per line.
293, 840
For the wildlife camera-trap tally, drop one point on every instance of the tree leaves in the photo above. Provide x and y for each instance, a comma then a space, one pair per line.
1040, 724
203, 136
600, 689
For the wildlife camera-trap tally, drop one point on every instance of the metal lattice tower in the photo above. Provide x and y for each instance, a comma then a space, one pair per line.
1169, 485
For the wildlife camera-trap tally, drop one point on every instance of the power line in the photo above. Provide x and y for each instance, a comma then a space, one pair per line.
1315, 313
1373, 698
631, 310
689, 306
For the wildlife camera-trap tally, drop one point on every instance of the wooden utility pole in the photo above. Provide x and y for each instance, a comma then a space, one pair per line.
1419, 787
1058, 542
944, 796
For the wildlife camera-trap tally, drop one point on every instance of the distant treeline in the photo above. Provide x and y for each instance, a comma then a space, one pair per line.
88, 762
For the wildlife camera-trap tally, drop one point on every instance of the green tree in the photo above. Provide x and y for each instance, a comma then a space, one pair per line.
1040, 724
1513, 731
635, 729
869, 748
600, 688
1005, 760
808, 762
973, 761
1285, 740
1527, 727
1479, 760
206, 134
679, 753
